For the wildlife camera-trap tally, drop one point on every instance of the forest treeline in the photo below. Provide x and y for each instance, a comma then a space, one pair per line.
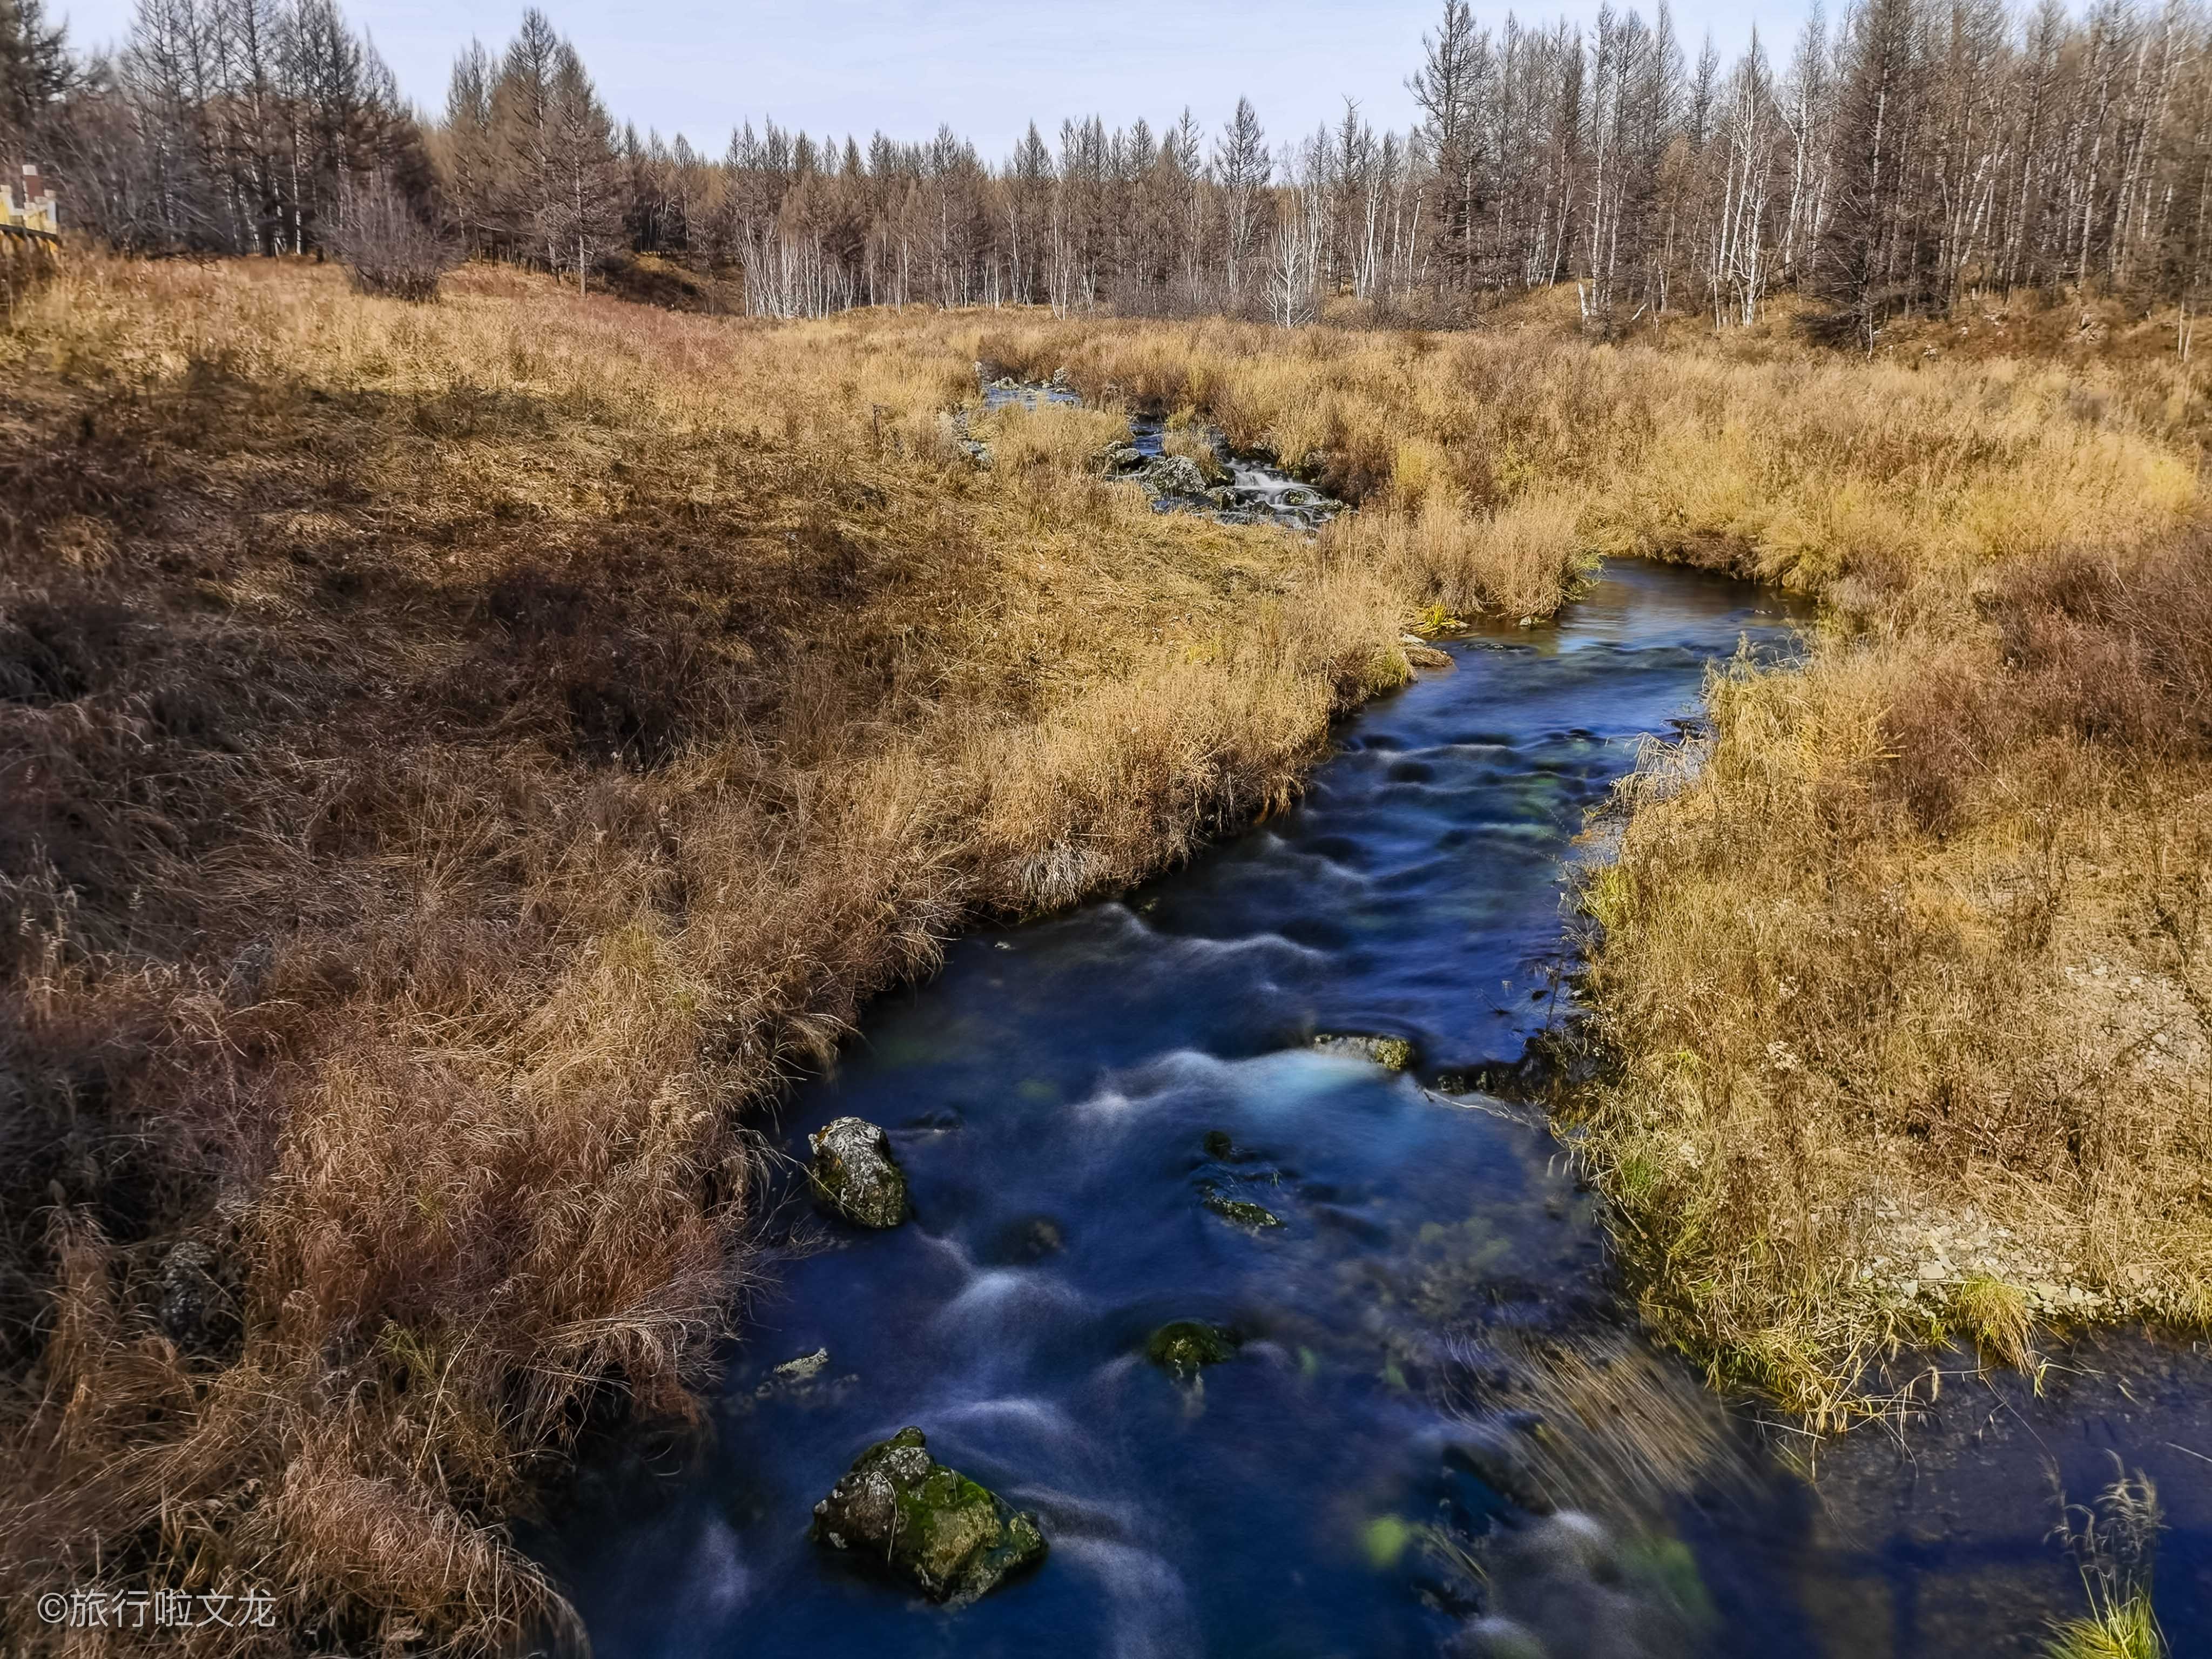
1916, 152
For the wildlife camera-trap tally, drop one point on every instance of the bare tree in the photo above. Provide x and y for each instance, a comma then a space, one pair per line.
1242, 169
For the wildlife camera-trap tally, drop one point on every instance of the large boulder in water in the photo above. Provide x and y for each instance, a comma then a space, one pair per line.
855, 1175
1175, 475
953, 1539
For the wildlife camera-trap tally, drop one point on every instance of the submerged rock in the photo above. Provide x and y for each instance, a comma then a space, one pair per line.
953, 1539
1510, 1465
1027, 1240
1186, 1346
802, 1379
855, 1175
805, 1368
1393, 1053
1242, 1211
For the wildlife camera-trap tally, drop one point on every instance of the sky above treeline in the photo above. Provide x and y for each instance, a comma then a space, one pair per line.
838, 66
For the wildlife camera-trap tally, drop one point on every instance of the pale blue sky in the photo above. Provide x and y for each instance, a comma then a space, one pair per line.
854, 65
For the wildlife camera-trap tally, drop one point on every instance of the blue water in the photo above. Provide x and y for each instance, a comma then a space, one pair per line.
1051, 1094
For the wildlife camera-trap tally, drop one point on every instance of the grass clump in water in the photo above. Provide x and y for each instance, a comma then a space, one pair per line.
2113, 1541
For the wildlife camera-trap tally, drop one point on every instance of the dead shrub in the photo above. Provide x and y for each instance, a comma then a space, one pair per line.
2114, 649
389, 246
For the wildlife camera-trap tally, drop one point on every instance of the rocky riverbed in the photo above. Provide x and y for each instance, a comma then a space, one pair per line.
1213, 480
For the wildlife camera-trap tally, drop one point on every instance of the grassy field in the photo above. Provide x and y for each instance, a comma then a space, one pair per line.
458, 762
1904, 977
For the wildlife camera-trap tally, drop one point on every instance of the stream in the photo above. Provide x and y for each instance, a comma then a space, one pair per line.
1250, 490
1439, 1432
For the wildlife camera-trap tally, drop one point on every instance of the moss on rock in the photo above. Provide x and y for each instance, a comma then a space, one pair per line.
1242, 1212
953, 1539
1393, 1053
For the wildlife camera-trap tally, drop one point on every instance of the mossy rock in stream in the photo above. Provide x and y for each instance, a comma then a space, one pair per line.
952, 1539
1242, 1212
1185, 1347
855, 1175
1393, 1053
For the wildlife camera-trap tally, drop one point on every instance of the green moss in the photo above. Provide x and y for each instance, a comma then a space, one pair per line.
1384, 1540
943, 1521
1669, 1568
955, 1539
1393, 1053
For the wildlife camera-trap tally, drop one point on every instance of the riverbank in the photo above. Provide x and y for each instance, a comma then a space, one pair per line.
1903, 978
1122, 1122
460, 758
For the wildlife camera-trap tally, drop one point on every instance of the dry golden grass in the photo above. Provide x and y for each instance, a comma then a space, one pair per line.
1908, 973
454, 759
1748, 455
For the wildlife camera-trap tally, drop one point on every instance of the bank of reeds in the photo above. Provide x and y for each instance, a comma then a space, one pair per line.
456, 760
1907, 973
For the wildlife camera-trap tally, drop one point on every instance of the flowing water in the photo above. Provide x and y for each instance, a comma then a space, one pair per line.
1431, 1360
1251, 490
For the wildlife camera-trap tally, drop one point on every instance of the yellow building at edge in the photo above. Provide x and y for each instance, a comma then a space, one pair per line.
31, 207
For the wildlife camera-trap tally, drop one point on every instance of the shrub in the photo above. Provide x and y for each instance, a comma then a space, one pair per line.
390, 248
